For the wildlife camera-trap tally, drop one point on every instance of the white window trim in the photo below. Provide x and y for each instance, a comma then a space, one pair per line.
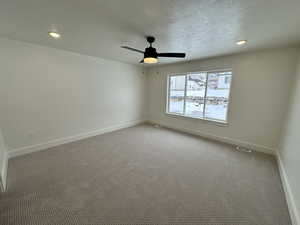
204, 119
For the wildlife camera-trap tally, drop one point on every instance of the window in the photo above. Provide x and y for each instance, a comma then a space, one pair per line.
202, 95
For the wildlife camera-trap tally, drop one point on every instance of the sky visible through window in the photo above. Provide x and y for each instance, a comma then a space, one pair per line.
202, 95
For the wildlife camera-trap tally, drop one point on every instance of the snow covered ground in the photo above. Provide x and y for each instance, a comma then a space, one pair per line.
193, 109
201, 93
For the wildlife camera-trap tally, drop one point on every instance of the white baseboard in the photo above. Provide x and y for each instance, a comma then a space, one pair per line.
252, 146
4, 172
288, 193
60, 141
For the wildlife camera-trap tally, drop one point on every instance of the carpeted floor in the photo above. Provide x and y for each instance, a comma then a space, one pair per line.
143, 175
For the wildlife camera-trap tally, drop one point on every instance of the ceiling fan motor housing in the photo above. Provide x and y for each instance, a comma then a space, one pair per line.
150, 53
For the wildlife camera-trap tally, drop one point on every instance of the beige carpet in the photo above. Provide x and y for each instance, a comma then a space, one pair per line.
143, 175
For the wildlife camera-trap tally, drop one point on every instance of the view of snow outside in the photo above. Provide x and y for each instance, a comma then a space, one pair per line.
217, 94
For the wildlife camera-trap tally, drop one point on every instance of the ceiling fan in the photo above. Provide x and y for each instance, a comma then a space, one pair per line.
150, 54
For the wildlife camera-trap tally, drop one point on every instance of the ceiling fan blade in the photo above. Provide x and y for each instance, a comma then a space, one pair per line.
132, 49
176, 55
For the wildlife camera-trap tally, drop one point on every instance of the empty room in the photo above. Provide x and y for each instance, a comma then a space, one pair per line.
161, 112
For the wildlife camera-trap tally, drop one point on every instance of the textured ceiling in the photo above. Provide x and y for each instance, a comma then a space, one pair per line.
201, 28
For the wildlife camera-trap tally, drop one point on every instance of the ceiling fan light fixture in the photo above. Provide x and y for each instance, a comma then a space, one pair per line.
150, 60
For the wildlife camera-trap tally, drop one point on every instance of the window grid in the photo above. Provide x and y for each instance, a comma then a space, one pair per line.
205, 95
184, 95
204, 116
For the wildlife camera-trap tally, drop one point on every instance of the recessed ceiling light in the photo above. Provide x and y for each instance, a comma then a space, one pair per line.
54, 34
241, 42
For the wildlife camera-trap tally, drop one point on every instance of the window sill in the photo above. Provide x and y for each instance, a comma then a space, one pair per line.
216, 122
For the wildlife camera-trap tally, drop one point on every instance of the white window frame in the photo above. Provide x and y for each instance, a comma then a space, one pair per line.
223, 122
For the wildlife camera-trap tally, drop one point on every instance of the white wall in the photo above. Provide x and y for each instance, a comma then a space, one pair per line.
289, 150
260, 89
46, 93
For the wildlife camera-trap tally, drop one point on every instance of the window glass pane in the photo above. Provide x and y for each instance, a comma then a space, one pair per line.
217, 95
176, 105
195, 93
176, 98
